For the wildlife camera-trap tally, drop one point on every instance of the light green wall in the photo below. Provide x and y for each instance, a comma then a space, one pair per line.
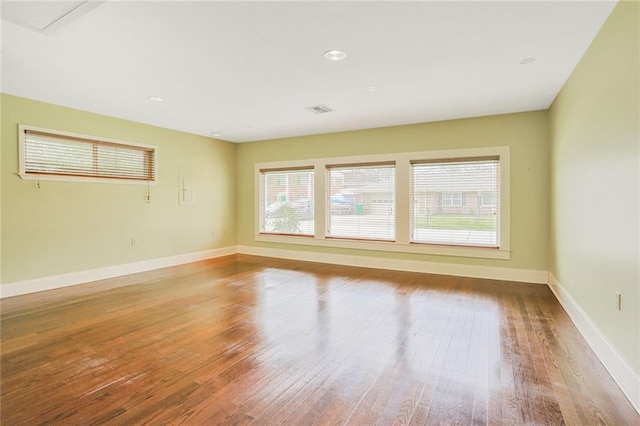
595, 182
73, 226
1, 161
527, 134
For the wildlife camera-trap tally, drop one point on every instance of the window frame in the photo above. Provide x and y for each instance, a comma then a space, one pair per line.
329, 167
403, 201
22, 128
261, 201
462, 198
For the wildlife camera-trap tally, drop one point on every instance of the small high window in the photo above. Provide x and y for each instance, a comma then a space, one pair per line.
51, 154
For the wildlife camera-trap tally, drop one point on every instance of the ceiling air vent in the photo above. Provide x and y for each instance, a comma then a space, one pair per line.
319, 109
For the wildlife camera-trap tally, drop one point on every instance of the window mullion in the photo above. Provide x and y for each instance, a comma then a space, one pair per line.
321, 189
403, 202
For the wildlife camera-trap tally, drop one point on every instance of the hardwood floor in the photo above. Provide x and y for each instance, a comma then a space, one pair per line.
251, 340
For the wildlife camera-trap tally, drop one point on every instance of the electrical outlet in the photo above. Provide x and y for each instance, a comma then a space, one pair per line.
618, 301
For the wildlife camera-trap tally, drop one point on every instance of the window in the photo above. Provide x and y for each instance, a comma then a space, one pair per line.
451, 199
287, 201
488, 199
452, 202
361, 201
57, 155
449, 202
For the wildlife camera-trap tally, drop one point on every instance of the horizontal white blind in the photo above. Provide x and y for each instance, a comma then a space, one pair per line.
361, 202
456, 202
286, 201
52, 154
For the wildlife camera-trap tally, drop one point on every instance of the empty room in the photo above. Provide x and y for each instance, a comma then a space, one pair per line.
358, 213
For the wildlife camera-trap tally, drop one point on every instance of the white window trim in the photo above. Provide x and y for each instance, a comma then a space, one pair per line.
403, 204
325, 196
44, 177
261, 208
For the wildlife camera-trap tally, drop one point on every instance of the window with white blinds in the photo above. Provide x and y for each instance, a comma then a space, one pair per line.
361, 201
53, 154
286, 201
454, 202
446, 202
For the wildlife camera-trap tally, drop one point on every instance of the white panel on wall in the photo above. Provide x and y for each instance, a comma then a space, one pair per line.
186, 187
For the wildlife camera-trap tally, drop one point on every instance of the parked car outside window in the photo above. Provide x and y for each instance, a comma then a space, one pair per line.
342, 205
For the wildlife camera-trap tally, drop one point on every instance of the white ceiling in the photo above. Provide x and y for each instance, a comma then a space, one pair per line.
249, 69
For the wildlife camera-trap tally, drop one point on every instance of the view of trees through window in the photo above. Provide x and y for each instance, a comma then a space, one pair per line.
287, 202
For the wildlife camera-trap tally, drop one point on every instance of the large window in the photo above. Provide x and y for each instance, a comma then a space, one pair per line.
287, 201
55, 155
361, 201
452, 202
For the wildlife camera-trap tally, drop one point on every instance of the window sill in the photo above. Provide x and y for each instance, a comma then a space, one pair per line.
63, 178
436, 250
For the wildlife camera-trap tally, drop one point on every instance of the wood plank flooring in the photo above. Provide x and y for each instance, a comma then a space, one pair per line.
252, 340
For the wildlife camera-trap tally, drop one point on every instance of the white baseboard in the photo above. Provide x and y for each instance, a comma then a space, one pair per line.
488, 272
81, 277
622, 373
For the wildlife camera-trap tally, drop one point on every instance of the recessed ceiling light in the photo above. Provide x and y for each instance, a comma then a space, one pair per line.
156, 98
216, 134
372, 89
335, 55
527, 61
